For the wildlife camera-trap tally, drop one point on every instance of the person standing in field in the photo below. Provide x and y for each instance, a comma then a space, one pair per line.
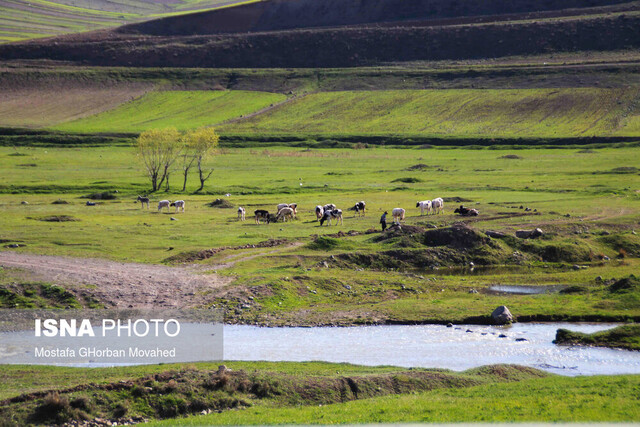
383, 221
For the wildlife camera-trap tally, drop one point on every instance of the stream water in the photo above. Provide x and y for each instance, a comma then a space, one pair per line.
432, 346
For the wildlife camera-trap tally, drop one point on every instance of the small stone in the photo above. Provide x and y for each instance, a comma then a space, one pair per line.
521, 339
473, 291
605, 258
24, 202
449, 325
173, 219
599, 279
502, 336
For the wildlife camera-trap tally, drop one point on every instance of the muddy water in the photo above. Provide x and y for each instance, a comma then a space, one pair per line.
431, 346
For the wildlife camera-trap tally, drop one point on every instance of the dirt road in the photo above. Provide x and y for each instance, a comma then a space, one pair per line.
122, 284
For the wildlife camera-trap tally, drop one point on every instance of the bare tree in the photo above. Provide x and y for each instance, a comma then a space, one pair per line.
159, 149
200, 144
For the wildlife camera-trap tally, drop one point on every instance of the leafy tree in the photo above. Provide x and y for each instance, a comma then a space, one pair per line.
198, 145
159, 149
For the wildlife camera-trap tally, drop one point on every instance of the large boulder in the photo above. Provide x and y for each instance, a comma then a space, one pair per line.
502, 315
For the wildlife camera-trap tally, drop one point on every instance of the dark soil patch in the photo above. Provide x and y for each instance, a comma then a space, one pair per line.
418, 167
510, 156
57, 218
407, 180
456, 199
106, 195
220, 203
627, 284
193, 256
458, 236
59, 202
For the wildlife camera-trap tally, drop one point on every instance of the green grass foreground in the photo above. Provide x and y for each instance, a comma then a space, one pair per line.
180, 109
553, 399
310, 393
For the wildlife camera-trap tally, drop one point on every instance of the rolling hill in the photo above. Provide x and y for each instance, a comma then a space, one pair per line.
26, 19
219, 40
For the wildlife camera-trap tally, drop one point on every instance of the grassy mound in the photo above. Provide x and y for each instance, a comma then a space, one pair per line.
220, 203
175, 393
627, 284
626, 336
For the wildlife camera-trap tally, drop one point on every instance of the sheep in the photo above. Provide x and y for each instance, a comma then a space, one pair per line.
293, 206
285, 213
142, 201
398, 215
437, 205
424, 205
179, 204
241, 213
163, 204
360, 207
329, 207
281, 205
331, 214
261, 214
319, 212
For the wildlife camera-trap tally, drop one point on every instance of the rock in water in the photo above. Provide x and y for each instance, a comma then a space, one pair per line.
502, 315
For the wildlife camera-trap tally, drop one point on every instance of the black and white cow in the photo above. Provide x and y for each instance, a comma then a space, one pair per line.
331, 214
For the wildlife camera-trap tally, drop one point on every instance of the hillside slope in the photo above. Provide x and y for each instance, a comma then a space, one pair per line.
553, 113
288, 14
340, 47
26, 19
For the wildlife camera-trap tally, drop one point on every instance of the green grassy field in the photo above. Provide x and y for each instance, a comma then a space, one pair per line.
596, 188
461, 113
180, 109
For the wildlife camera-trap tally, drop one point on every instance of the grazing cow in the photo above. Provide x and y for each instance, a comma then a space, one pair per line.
424, 205
261, 214
329, 207
331, 214
466, 211
360, 207
142, 201
163, 204
437, 205
285, 213
319, 212
241, 213
398, 215
179, 204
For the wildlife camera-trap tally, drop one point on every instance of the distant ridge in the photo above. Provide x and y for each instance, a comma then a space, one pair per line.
271, 15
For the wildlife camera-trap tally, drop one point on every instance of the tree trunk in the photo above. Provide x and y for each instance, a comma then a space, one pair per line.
184, 184
203, 178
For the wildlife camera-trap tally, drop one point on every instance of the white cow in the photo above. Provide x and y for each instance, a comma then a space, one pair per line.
424, 205
398, 215
241, 213
179, 204
319, 212
437, 205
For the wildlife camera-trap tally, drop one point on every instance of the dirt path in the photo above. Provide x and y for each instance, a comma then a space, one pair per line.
122, 284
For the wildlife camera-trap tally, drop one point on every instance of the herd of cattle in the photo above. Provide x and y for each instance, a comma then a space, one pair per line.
327, 213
